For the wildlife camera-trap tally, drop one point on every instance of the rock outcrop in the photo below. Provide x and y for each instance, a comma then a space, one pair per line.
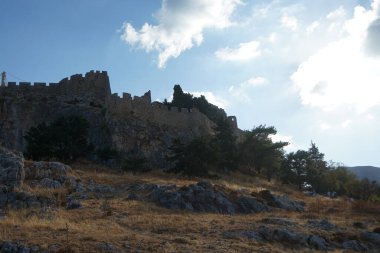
204, 197
13, 172
282, 202
11, 169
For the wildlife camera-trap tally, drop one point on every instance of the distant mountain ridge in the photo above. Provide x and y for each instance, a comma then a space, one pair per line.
370, 172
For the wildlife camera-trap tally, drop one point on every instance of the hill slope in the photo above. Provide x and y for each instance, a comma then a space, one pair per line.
370, 172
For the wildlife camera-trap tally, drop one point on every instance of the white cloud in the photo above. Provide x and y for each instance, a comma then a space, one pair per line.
341, 74
346, 123
283, 138
325, 126
212, 98
255, 81
263, 10
312, 27
338, 13
289, 21
272, 38
241, 91
181, 25
244, 52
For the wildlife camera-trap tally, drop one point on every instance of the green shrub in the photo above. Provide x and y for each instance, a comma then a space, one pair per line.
107, 153
193, 159
136, 163
64, 139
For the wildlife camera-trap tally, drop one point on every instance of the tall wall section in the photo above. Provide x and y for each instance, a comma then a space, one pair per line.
131, 125
182, 119
25, 105
94, 86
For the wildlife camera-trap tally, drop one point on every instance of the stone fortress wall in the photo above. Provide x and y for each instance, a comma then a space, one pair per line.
93, 84
159, 113
93, 89
130, 125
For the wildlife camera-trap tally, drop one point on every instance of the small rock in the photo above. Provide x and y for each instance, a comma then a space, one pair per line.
34, 249
73, 204
376, 230
242, 234
279, 221
318, 242
205, 184
54, 170
134, 196
108, 247
50, 183
371, 237
354, 245
321, 224
80, 188
9, 247
99, 191
54, 247
282, 235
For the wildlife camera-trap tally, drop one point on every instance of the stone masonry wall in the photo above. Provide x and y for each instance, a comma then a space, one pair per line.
129, 125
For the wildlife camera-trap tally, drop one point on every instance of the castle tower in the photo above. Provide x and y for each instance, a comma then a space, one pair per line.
3, 79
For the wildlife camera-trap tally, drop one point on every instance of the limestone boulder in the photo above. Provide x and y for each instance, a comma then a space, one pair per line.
12, 171
318, 242
282, 235
200, 197
248, 204
354, 245
53, 170
371, 237
50, 183
282, 202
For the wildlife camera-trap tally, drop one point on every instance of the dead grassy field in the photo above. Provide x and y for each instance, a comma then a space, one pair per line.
137, 226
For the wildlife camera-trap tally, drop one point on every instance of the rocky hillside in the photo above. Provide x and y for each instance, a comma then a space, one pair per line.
53, 207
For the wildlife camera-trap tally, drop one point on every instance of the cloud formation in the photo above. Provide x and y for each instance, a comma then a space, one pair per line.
212, 98
338, 13
242, 90
289, 21
284, 138
244, 52
181, 25
341, 73
373, 38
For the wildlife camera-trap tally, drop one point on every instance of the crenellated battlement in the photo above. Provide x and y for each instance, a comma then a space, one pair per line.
142, 106
28, 84
89, 76
93, 86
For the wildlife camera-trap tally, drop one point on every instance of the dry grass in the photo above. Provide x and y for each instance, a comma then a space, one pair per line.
366, 207
131, 225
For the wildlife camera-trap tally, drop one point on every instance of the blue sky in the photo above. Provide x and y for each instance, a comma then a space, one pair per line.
310, 68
